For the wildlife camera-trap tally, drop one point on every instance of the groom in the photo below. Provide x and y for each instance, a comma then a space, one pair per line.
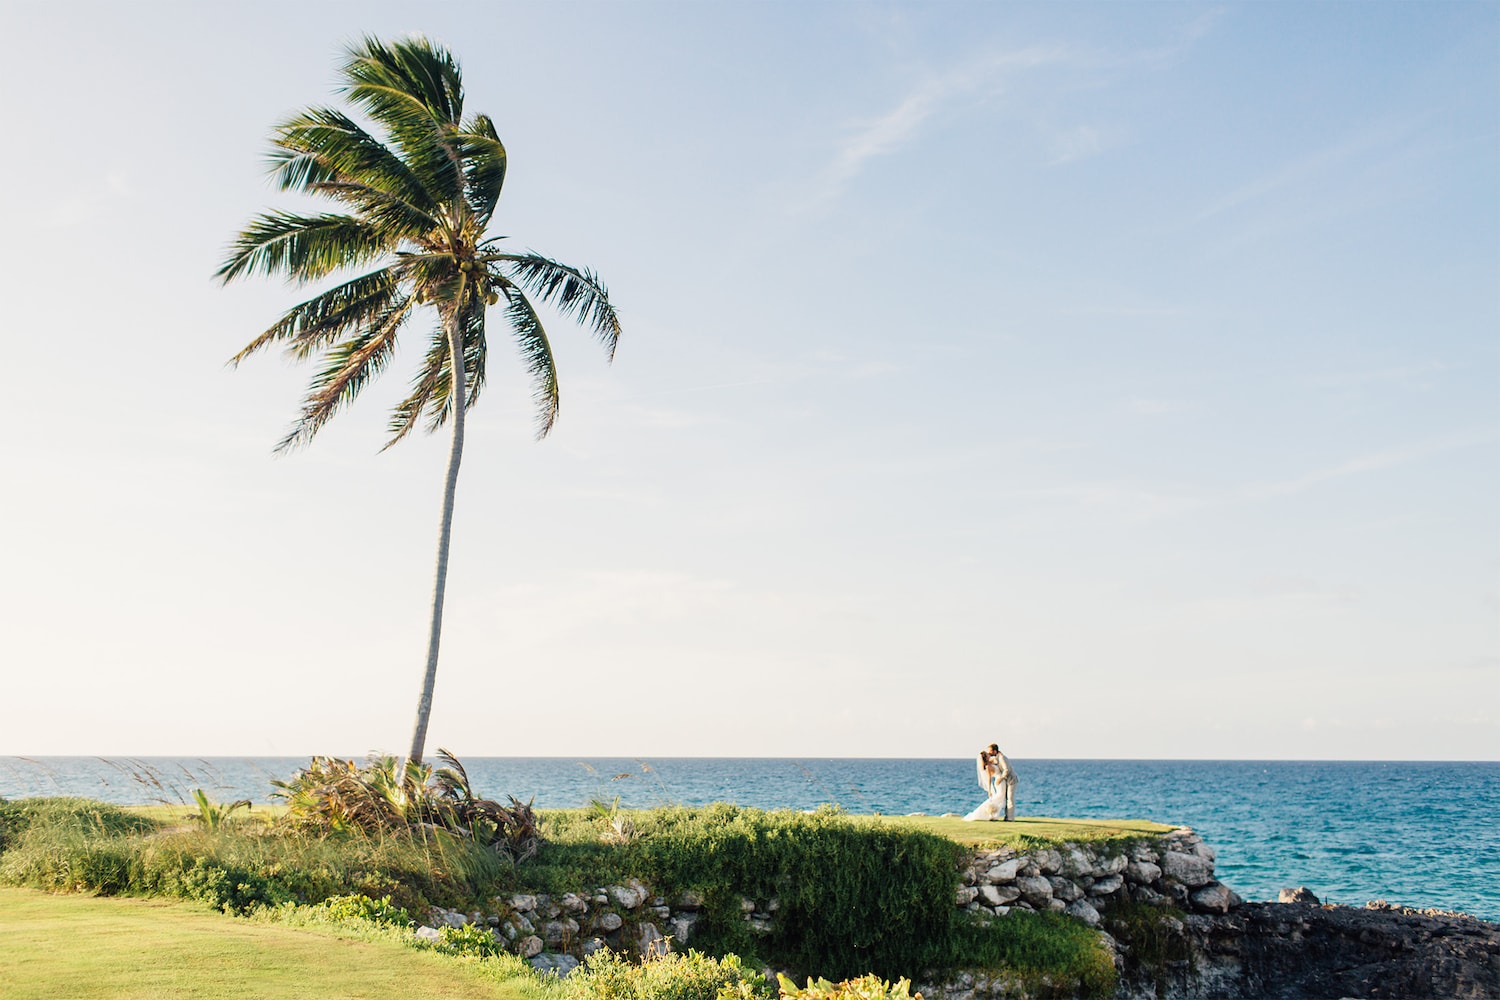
997, 777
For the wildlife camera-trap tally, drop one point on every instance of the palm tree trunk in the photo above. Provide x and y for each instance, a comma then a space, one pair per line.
455, 454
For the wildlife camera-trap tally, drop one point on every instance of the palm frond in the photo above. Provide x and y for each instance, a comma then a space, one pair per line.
321, 145
302, 247
347, 368
484, 166
330, 314
414, 89
536, 352
574, 292
431, 388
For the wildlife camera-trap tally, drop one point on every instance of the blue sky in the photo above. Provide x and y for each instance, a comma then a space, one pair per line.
1106, 380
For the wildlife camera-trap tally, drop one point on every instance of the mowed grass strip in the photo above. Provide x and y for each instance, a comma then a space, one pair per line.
1025, 831
92, 947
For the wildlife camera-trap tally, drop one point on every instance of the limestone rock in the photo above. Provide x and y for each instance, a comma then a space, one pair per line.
1189, 869
1301, 894
682, 927
530, 946
557, 964
1084, 910
1005, 871
998, 895
1215, 897
1107, 885
627, 896
649, 941
609, 922
428, 933
1075, 862
1036, 889
573, 904
1142, 872
1111, 865
965, 895
523, 903
1064, 889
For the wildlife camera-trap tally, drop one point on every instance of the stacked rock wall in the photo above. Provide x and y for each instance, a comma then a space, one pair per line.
1082, 879
555, 933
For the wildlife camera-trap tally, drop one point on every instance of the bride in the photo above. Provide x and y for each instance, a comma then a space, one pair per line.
998, 780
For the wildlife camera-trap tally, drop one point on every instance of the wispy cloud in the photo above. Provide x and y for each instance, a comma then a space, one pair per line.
1312, 166
898, 127
1372, 462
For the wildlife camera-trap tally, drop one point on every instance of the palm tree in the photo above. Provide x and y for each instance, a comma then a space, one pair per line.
416, 196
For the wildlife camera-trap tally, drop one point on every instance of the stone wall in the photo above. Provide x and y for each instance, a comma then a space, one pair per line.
1078, 879
1082, 879
554, 934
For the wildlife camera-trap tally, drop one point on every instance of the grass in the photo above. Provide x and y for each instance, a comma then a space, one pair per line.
1026, 831
88, 947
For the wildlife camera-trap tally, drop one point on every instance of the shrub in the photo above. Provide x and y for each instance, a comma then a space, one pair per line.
476, 942
694, 976
1053, 954
361, 908
863, 988
389, 796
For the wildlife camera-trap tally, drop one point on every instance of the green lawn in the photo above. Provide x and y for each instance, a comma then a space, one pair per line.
1024, 829
91, 947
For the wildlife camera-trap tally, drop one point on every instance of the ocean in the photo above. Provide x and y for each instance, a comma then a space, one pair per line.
1418, 833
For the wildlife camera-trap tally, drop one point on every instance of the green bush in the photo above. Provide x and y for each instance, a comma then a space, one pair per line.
476, 942
694, 976
361, 908
863, 988
75, 845
1053, 954
852, 898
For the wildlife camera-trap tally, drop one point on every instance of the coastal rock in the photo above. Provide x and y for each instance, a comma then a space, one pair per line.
1301, 894
682, 927
1084, 911
559, 964
1107, 885
628, 896
1075, 862
1036, 890
1213, 898
1142, 872
573, 904
1064, 889
998, 895
1005, 871
965, 894
529, 946
609, 922
1189, 869
649, 941
1278, 951
1114, 864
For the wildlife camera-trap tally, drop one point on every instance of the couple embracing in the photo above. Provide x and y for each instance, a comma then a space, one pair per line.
998, 780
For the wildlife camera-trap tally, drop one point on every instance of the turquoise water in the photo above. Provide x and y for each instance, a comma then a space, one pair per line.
1417, 833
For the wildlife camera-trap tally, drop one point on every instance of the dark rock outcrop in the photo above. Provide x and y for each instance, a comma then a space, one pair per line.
1302, 951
